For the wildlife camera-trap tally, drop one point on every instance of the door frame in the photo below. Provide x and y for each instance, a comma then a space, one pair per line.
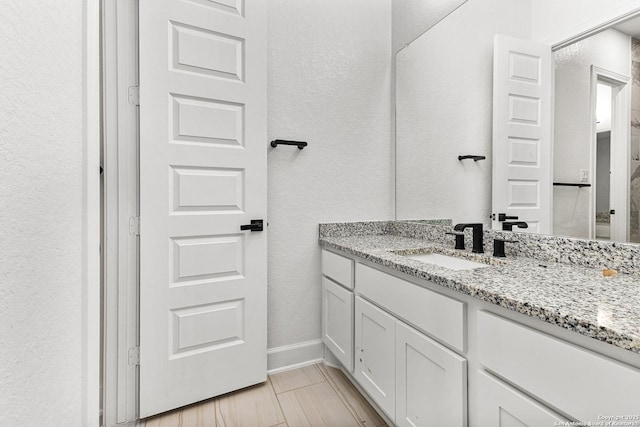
620, 134
120, 276
91, 206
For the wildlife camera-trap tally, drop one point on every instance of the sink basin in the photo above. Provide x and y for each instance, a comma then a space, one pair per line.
450, 262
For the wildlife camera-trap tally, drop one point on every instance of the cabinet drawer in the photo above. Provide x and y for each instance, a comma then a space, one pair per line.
337, 267
435, 314
578, 382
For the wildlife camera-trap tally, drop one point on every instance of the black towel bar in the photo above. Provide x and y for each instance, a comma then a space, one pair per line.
299, 144
469, 156
572, 184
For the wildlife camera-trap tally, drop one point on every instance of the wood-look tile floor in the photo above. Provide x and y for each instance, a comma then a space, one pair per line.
315, 395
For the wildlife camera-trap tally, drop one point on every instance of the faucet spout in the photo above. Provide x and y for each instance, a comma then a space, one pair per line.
478, 244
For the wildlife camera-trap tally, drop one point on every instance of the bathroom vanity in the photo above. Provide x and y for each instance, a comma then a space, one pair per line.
511, 341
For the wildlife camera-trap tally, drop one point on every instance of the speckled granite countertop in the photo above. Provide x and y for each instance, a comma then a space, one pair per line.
574, 297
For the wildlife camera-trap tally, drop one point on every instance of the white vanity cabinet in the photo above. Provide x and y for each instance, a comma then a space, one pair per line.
337, 307
430, 357
413, 378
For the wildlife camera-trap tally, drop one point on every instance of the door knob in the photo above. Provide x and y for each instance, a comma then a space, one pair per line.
256, 225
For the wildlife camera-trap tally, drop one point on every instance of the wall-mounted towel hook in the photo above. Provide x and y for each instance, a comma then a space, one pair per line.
469, 156
300, 144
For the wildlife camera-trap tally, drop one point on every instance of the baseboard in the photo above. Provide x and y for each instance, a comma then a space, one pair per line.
294, 356
134, 423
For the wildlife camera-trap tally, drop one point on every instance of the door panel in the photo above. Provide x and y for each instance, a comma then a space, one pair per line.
431, 382
202, 176
522, 133
337, 321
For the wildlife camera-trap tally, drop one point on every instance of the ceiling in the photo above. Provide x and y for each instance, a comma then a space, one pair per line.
631, 27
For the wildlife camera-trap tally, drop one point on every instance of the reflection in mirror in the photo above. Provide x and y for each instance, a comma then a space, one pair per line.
444, 108
593, 81
603, 162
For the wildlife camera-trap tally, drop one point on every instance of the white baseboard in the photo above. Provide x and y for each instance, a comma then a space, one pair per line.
294, 356
134, 423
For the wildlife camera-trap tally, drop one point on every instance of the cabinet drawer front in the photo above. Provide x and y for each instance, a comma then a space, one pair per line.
578, 382
337, 267
435, 314
501, 405
337, 321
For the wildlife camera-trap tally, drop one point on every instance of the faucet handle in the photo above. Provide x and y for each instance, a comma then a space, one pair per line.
459, 239
498, 246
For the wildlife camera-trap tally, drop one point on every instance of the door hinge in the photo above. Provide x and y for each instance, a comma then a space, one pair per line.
134, 95
134, 225
134, 356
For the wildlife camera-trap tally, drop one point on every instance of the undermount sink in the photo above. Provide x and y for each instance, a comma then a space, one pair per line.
446, 261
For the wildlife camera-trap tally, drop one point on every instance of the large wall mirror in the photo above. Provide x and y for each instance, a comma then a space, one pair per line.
444, 104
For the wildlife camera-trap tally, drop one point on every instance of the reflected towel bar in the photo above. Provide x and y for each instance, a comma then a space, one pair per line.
469, 156
572, 184
300, 144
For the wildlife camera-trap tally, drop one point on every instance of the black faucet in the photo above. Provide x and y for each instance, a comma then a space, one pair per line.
478, 245
508, 226
498, 246
459, 239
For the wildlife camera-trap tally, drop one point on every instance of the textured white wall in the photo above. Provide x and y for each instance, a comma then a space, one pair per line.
609, 50
329, 84
411, 18
41, 150
443, 109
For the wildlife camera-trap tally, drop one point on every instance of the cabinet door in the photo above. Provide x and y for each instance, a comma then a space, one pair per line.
337, 321
502, 406
431, 382
375, 354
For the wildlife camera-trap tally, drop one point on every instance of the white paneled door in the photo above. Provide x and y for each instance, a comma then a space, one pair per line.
202, 177
522, 133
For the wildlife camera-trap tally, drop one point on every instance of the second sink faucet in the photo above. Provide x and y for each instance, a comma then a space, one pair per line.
478, 244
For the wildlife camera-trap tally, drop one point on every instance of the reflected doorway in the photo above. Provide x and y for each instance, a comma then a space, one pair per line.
602, 183
610, 154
